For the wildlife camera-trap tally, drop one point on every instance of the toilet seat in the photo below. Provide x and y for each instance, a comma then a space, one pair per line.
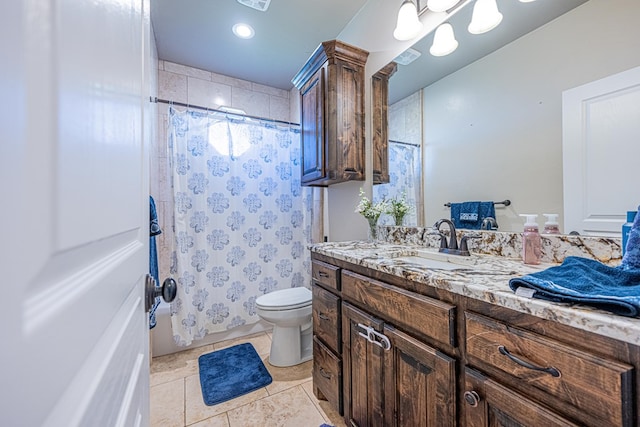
285, 299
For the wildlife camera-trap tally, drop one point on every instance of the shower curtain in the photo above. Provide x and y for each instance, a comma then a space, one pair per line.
241, 219
404, 178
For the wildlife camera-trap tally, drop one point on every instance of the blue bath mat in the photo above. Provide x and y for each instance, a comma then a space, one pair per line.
231, 372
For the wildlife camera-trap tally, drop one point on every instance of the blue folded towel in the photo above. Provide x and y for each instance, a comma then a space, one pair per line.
469, 215
586, 281
631, 259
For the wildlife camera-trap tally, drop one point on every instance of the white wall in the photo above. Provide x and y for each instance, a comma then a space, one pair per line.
493, 130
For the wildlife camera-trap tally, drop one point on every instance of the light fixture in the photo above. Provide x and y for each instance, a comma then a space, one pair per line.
441, 5
444, 41
408, 25
485, 17
244, 31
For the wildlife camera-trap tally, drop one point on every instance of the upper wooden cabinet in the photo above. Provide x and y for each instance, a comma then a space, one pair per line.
331, 86
380, 120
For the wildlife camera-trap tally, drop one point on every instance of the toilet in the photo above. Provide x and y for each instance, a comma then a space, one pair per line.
289, 310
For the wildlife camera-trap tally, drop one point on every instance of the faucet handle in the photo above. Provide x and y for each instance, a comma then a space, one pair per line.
463, 241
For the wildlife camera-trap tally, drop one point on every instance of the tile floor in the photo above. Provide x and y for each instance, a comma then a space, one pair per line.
176, 398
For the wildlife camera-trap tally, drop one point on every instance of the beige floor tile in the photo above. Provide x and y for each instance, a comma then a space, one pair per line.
290, 408
177, 365
196, 410
330, 415
167, 404
260, 341
284, 378
218, 421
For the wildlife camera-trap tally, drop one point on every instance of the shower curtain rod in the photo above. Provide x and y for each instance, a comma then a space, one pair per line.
405, 143
197, 107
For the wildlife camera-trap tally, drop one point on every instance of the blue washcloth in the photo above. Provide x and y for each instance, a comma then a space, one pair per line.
586, 281
631, 259
469, 215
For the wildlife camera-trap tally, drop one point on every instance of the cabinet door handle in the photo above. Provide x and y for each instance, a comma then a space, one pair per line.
381, 340
323, 316
549, 370
374, 337
472, 398
325, 374
323, 274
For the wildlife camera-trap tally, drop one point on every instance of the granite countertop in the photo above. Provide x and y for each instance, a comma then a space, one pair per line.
482, 277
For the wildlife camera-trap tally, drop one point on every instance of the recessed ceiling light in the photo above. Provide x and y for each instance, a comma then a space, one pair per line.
244, 31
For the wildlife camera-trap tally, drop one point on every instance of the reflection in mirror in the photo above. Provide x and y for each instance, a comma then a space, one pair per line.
405, 160
492, 112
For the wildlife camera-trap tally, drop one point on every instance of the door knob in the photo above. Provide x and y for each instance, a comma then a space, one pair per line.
167, 291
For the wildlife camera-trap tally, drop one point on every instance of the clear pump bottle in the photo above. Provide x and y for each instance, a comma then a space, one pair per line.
551, 226
531, 242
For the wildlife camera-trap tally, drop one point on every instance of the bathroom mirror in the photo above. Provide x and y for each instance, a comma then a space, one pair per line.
491, 121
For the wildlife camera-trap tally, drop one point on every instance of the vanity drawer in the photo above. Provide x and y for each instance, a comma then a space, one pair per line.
597, 391
327, 374
327, 317
405, 309
326, 274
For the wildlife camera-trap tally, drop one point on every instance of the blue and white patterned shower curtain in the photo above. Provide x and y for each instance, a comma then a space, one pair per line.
241, 219
404, 178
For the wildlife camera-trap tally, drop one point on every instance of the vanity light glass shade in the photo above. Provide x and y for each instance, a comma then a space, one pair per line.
408, 25
485, 17
441, 5
444, 41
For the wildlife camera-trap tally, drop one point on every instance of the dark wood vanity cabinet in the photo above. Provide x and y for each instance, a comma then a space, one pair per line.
331, 85
327, 326
390, 377
414, 356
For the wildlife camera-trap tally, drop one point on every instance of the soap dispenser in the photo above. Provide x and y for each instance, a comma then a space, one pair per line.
551, 226
531, 242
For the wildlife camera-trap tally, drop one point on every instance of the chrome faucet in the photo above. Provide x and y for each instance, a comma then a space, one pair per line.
452, 246
489, 223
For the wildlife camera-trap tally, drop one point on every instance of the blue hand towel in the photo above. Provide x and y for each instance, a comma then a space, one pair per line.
154, 230
631, 259
586, 281
469, 215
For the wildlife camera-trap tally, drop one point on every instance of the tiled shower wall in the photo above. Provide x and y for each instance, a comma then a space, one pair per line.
193, 86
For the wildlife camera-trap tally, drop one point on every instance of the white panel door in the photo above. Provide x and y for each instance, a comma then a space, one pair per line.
74, 213
601, 153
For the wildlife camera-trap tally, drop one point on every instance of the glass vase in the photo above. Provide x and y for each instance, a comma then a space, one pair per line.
398, 219
373, 229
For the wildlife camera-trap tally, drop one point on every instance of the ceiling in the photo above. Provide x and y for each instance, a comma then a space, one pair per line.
198, 33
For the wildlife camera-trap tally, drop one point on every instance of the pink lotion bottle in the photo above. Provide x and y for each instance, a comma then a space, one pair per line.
531, 242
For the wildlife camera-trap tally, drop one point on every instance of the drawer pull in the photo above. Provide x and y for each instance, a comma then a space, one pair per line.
323, 316
323, 274
550, 370
472, 398
325, 374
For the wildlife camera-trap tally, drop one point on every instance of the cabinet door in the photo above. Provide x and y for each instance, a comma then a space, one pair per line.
419, 383
380, 121
312, 105
362, 370
487, 403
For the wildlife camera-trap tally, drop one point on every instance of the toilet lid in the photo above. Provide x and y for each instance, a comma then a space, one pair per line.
285, 299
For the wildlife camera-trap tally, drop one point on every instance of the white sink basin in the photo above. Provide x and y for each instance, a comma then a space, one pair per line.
438, 260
